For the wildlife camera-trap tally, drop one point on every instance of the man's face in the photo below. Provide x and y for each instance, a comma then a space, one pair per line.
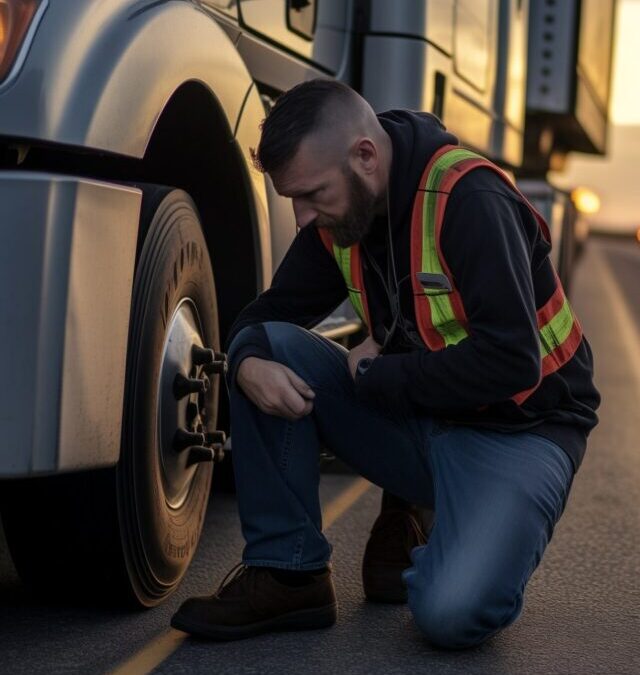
328, 194
355, 223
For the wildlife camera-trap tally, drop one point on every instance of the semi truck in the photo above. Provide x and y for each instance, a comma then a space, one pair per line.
134, 227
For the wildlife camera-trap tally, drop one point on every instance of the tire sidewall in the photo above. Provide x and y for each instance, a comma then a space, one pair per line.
159, 541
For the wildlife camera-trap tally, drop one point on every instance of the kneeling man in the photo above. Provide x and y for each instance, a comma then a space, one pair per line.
471, 396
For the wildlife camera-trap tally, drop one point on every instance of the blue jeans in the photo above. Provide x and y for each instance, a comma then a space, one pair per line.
496, 496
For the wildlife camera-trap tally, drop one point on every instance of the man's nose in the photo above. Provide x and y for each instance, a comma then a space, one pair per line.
304, 214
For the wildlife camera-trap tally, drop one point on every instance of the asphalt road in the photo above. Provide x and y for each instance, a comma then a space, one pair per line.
582, 608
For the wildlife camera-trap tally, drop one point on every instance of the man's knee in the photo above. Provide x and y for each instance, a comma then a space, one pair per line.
315, 359
242, 337
278, 334
300, 348
283, 335
452, 618
449, 626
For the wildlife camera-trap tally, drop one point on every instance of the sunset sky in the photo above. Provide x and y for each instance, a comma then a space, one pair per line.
625, 104
615, 178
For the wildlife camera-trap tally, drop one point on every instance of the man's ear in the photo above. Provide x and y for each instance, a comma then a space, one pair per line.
364, 157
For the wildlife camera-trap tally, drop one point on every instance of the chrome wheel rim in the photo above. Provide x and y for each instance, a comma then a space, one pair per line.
188, 413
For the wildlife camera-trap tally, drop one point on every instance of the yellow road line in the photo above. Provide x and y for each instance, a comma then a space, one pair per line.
624, 322
343, 502
165, 644
152, 654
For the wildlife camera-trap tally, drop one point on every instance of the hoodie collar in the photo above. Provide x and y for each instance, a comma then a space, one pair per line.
415, 137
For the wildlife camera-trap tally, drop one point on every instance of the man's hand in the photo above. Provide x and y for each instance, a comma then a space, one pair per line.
368, 348
274, 388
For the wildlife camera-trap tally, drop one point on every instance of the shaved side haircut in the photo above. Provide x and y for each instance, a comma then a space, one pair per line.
298, 113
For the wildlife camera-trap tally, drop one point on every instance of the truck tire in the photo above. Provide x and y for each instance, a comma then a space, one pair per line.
131, 532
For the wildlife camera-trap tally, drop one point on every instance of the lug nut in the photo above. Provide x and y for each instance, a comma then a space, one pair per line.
199, 453
215, 437
183, 439
201, 355
216, 368
183, 386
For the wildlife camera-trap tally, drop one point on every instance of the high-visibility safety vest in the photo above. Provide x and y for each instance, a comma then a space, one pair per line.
440, 314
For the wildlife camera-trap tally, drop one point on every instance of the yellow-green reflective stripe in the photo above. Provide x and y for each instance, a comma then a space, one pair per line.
442, 314
557, 330
450, 330
343, 257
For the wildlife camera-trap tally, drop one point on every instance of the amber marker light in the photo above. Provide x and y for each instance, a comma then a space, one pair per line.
15, 17
585, 200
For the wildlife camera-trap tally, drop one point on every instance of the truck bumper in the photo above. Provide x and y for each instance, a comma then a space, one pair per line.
67, 257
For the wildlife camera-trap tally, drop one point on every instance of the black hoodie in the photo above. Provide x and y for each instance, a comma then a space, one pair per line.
500, 265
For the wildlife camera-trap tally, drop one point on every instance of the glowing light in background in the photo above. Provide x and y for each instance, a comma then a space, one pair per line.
586, 200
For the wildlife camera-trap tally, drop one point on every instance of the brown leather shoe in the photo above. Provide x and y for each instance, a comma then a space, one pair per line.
395, 533
251, 602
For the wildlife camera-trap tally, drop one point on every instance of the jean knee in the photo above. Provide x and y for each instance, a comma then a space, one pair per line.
443, 624
297, 347
319, 361
282, 334
450, 619
241, 338
282, 337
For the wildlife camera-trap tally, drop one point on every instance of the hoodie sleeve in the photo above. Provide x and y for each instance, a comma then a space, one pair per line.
306, 288
487, 241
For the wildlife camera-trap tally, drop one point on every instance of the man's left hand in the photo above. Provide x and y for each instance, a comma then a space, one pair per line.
368, 348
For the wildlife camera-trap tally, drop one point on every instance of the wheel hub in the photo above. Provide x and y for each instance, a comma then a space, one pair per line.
186, 411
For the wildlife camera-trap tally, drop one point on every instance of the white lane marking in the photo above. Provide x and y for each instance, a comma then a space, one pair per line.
164, 645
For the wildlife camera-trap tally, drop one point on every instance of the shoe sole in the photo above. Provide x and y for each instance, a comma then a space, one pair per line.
305, 619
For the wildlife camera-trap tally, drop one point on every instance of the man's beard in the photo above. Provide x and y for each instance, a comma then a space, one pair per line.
356, 222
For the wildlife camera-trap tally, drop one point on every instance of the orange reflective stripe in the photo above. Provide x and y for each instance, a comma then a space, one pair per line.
358, 283
429, 334
440, 317
552, 306
432, 316
560, 333
326, 239
348, 260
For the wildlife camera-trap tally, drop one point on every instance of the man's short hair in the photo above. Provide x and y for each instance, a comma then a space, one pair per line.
296, 114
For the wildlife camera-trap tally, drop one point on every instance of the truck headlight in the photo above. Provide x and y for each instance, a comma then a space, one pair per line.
15, 18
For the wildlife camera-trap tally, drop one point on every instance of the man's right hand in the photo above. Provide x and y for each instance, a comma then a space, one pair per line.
274, 388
